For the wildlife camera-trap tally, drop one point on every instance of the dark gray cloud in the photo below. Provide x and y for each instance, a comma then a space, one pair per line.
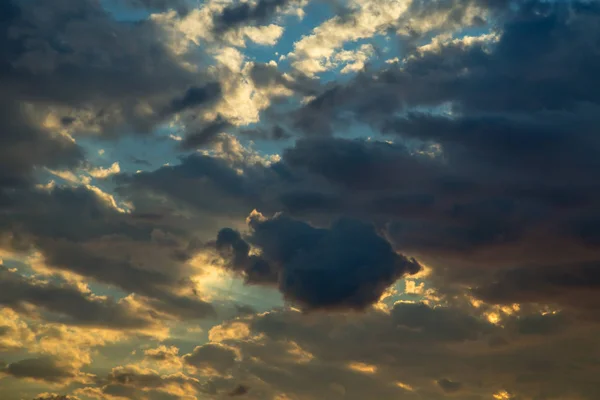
449, 386
116, 73
196, 96
181, 6
67, 301
241, 14
24, 146
42, 369
345, 266
217, 187
133, 382
572, 285
79, 64
145, 264
205, 135
485, 77
359, 165
273, 133
266, 75
511, 170
458, 195
449, 355
131, 376
439, 324
212, 356
76, 59
76, 62
497, 192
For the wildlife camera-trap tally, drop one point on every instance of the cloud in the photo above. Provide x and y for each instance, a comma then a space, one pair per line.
266, 75
26, 146
205, 135
53, 396
77, 246
161, 5
247, 14
499, 166
212, 357
433, 351
348, 265
45, 369
196, 96
449, 386
478, 180
64, 300
457, 72
48, 65
312, 53
239, 390
132, 381
435, 199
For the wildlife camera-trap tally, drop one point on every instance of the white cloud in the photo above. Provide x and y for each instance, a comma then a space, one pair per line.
102, 173
313, 54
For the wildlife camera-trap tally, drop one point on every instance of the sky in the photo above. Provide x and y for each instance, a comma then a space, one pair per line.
299, 199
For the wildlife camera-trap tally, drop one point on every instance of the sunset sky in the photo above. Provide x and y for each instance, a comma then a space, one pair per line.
299, 199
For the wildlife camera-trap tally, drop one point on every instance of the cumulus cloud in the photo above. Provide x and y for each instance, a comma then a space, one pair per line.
427, 352
211, 358
348, 265
127, 79
247, 13
467, 163
79, 308
76, 246
131, 381
500, 175
46, 369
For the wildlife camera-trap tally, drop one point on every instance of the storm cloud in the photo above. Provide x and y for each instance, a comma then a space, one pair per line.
347, 265
285, 200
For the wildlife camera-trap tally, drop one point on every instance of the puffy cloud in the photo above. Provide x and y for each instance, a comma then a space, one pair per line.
434, 201
348, 265
481, 164
195, 96
449, 386
312, 54
212, 358
205, 25
77, 247
489, 180
46, 369
205, 135
134, 382
48, 66
415, 351
64, 300
163, 357
180, 6
246, 13
363, 20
